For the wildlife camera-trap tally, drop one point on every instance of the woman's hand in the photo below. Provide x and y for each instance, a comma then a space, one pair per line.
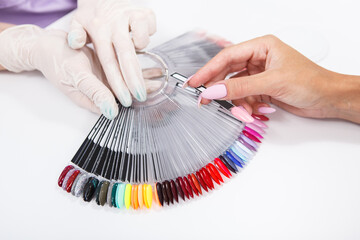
77, 73
107, 24
269, 71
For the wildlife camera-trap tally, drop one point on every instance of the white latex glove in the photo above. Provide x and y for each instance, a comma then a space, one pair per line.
75, 72
108, 24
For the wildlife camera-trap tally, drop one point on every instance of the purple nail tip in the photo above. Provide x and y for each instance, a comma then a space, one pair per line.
248, 140
246, 144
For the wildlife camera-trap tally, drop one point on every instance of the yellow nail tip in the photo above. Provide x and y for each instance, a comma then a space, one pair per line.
148, 195
127, 195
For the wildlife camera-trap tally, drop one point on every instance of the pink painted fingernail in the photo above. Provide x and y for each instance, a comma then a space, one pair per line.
255, 128
241, 114
259, 123
199, 101
217, 91
266, 110
185, 85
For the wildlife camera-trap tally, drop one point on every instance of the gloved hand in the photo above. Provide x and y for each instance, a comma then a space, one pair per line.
108, 24
75, 72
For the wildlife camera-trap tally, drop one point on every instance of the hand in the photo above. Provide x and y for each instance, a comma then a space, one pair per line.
75, 72
269, 71
107, 24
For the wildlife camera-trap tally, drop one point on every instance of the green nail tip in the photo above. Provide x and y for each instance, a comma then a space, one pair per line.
113, 194
103, 192
97, 192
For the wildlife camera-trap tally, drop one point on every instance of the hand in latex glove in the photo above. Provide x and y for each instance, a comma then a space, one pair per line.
107, 23
75, 72
273, 72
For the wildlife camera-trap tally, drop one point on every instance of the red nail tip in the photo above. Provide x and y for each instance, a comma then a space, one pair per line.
179, 189
63, 174
173, 190
164, 192
223, 169
212, 174
71, 180
217, 174
201, 180
188, 187
207, 178
196, 182
260, 117
169, 192
252, 137
192, 185
183, 187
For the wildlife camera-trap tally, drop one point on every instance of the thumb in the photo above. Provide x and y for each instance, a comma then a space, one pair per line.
77, 35
240, 87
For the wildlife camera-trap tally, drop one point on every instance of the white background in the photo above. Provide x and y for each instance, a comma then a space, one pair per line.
304, 183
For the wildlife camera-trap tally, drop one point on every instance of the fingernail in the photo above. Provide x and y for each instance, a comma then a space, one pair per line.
241, 114
260, 117
217, 91
265, 110
259, 123
108, 110
255, 128
185, 85
199, 101
125, 98
141, 94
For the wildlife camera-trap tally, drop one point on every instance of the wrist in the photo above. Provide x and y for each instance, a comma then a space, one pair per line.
17, 47
344, 97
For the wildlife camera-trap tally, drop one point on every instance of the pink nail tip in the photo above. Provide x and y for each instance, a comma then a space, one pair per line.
185, 85
255, 128
259, 123
253, 132
241, 114
217, 91
266, 110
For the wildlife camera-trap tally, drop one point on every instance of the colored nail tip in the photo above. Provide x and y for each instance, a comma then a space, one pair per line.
89, 189
239, 153
169, 192
97, 193
148, 195
228, 163
260, 117
185, 85
63, 174
201, 180
260, 123
183, 187
217, 91
196, 183
71, 180
79, 187
243, 148
179, 189
164, 192
125, 98
252, 137
256, 134
140, 196
121, 196
113, 194
222, 168
246, 144
108, 110
127, 197
160, 193
208, 179
255, 128
266, 110
233, 159
103, 192
192, 185
188, 187
248, 140
213, 169
141, 94
155, 194
174, 190
241, 114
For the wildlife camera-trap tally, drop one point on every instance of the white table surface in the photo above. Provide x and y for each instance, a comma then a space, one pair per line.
304, 183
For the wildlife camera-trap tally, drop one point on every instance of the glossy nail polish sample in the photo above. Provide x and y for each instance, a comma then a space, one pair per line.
168, 192
239, 152
127, 197
237, 156
244, 150
248, 140
188, 187
140, 196
229, 164
244, 143
165, 196
97, 193
222, 168
103, 192
66, 178
71, 180
120, 200
90, 188
192, 185
260, 117
63, 174
212, 169
134, 197
207, 178
117, 196
179, 189
201, 180
183, 188
109, 195
217, 91
160, 193
255, 128
144, 193
254, 133
173, 190
266, 110
241, 114
252, 137
148, 195
113, 194
234, 160
73, 188
196, 183
155, 195
259, 123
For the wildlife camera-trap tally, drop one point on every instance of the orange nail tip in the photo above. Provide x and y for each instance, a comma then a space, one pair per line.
223, 169
140, 196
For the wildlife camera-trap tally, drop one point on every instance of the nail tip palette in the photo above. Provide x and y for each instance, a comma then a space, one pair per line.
165, 150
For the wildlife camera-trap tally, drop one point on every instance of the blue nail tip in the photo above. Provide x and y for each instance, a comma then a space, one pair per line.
233, 154
230, 165
234, 160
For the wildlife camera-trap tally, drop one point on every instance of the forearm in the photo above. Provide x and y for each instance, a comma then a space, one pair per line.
4, 26
346, 97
